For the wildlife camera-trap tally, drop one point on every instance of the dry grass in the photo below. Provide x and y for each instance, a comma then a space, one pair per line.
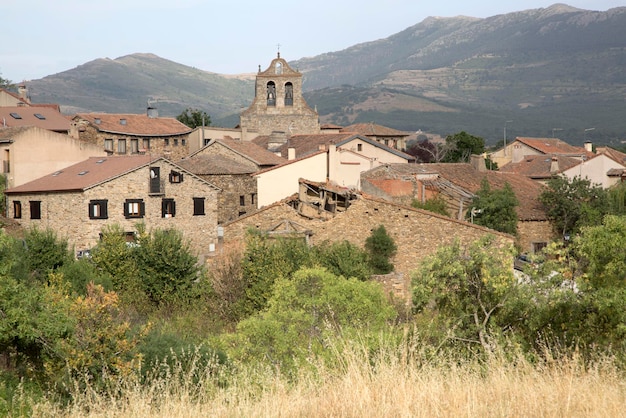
390, 386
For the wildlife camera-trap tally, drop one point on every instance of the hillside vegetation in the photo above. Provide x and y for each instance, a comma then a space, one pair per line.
556, 67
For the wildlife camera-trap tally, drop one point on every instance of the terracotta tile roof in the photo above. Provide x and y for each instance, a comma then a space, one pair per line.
539, 166
526, 190
135, 124
552, 146
95, 170
288, 162
330, 126
372, 129
214, 165
41, 116
615, 155
259, 155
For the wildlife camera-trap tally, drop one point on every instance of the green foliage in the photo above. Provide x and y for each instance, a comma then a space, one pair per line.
305, 312
437, 205
461, 146
194, 118
497, 208
3, 186
380, 248
572, 204
342, 258
43, 252
116, 258
464, 290
616, 196
80, 273
5, 83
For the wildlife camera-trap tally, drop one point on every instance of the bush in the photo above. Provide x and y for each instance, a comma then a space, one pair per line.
380, 247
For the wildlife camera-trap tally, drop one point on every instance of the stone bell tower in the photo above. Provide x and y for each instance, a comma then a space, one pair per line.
278, 105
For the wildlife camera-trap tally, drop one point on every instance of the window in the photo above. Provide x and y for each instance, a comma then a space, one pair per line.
183, 142
242, 200
167, 141
121, 146
40, 116
146, 143
15, 115
538, 246
98, 209
359, 147
35, 209
155, 181
271, 94
168, 208
207, 140
288, 94
176, 177
17, 209
253, 198
198, 206
134, 146
108, 144
175, 142
134, 208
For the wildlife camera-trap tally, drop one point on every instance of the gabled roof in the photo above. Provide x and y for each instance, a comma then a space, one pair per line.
288, 162
41, 116
377, 144
249, 150
372, 129
540, 166
214, 165
90, 173
552, 146
615, 155
134, 124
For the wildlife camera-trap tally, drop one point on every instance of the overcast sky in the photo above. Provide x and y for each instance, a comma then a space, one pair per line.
44, 37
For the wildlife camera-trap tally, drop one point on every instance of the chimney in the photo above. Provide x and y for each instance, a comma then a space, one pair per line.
554, 165
588, 146
478, 162
22, 92
276, 139
291, 154
152, 112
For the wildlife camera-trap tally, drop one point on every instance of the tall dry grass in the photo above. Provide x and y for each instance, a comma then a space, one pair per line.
395, 383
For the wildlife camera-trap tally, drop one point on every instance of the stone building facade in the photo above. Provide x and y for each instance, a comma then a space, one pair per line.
133, 134
278, 103
78, 201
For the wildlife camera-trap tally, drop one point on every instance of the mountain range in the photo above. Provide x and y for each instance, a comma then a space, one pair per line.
540, 72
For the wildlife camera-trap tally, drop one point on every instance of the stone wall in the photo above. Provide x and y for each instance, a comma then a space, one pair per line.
67, 213
235, 187
533, 232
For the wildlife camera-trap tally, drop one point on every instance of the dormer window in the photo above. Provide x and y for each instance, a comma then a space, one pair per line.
97, 121
122, 121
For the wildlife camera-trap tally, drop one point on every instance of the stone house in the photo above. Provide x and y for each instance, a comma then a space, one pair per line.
29, 152
132, 134
229, 164
79, 200
457, 183
417, 233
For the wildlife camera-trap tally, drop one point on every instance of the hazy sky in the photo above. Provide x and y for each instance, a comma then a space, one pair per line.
44, 37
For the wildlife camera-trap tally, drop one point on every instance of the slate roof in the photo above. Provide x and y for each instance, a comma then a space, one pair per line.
45, 117
538, 166
135, 124
215, 165
372, 129
553, 146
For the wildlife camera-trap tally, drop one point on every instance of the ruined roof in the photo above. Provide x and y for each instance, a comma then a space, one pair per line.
372, 129
44, 117
134, 124
540, 166
215, 165
552, 146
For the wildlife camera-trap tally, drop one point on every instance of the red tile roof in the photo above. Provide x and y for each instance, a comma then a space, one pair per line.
215, 165
257, 154
84, 175
552, 146
539, 166
372, 129
135, 124
41, 116
613, 154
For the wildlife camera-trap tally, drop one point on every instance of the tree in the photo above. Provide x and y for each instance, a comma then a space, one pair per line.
343, 258
462, 145
573, 203
5, 84
194, 118
497, 208
381, 248
436, 204
427, 152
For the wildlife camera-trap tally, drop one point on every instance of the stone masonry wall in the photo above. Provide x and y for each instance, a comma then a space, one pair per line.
234, 187
67, 213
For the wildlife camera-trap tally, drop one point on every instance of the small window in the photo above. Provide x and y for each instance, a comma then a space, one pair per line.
538, 246
121, 146
175, 142
176, 177
253, 198
108, 144
40, 116
242, 200
134, 208
359, 147
98, 209
183, 142
146, 143
207, 140
168, 208
134, 146
241, 213
167, 141
35, 209
17, 209
198, 206
15, 115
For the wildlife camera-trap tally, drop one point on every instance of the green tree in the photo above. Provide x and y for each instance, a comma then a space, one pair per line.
43, 252
496, 208
461, 146
381, 248
616, 196
5, 84
194, 118
437, 205
342, 258
573, 203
